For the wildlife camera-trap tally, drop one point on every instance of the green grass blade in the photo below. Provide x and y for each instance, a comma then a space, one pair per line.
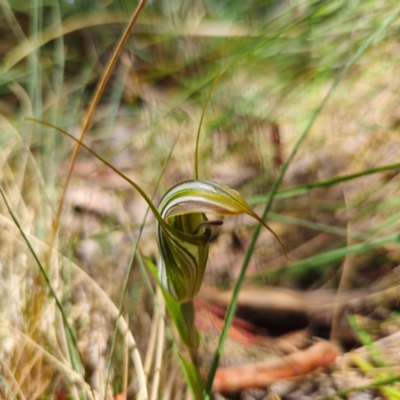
367, 341
328, 257
317, 226
305, 188
390, 392
192, 376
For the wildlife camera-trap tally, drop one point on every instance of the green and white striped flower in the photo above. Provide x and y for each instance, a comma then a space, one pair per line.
184, 240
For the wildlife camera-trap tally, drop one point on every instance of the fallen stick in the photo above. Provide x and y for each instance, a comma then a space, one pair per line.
263, 374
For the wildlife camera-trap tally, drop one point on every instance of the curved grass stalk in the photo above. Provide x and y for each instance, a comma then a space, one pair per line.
232, 306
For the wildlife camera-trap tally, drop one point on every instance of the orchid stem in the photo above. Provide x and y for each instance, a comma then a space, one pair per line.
188, 313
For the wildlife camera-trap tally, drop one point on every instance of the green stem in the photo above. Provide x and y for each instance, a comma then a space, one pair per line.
187, 310
188, 313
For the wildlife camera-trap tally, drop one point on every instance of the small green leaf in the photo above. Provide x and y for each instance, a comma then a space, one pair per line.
367, 341
390, 392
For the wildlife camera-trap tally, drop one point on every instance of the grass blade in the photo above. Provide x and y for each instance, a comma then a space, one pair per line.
302, 189
331, 256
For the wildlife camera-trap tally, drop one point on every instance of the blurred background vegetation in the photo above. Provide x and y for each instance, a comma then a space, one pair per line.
340, 230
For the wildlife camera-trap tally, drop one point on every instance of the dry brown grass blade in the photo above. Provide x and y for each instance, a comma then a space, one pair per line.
152, 340
92, 108
345, 282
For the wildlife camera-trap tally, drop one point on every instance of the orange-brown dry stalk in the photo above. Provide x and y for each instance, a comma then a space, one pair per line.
89, 115
263, 374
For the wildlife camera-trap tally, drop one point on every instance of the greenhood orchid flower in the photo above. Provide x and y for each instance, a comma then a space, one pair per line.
184, 242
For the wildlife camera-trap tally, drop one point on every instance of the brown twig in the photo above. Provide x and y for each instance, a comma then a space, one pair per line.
263, 374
